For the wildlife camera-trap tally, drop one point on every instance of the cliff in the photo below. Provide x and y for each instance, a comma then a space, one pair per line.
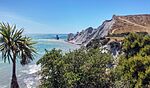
82, 37
118, 25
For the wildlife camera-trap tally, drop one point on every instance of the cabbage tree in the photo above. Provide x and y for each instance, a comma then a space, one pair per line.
15, 46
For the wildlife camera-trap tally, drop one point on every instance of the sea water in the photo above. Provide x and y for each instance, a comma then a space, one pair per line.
27, 75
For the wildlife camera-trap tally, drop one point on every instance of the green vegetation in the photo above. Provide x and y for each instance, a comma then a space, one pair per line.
135, 43
1, 40
76, 69
14, 46
96, 43
90, 68
133, 72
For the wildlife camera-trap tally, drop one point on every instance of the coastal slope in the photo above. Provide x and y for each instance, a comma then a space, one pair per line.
118, 25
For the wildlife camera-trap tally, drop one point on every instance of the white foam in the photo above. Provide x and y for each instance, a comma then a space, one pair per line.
29, 83
31, 69
4, 86
32, 79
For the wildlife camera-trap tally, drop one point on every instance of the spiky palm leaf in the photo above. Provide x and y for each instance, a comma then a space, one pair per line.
15, 43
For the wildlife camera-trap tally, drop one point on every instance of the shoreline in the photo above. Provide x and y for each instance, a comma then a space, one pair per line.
28, 75
34, 75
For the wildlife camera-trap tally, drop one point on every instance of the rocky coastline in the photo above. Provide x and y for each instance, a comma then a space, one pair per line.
110, 34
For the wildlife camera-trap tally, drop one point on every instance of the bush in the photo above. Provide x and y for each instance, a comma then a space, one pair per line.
52, 69
90, 68
76, 69
133, 72
134, 43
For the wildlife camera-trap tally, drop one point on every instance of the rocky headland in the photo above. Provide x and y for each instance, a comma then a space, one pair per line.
118, 26
112, 32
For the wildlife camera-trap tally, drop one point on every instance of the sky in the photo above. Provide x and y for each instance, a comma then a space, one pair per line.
66, 16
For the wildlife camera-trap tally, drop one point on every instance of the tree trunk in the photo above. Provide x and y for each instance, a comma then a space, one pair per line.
14, 83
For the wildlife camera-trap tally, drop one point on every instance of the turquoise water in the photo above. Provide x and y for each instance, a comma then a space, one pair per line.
27, 75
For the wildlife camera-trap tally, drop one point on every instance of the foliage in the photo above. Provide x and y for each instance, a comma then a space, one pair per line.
135, 43
1, 40
76, 69
52, 71
145, 51
133, 72
90, 68
15, 46
96, 43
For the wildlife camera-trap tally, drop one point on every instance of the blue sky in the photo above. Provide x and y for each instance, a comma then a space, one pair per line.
65, 16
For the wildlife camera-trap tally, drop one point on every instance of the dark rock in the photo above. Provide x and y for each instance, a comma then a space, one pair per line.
57, 37
70, 36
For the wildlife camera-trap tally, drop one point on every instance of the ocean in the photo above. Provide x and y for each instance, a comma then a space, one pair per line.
27, 75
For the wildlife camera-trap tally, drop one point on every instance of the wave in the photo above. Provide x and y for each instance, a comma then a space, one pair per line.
31, 79
31, 69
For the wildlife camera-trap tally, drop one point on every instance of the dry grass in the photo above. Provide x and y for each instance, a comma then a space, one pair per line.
131, 23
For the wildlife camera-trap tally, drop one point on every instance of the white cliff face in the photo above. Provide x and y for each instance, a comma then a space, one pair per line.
102, 30
84, 37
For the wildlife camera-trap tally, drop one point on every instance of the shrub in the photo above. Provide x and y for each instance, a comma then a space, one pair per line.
76, 69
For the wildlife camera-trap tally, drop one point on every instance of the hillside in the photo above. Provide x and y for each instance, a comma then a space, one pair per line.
131, 23
117, 26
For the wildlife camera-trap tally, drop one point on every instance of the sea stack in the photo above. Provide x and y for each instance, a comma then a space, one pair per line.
57, 37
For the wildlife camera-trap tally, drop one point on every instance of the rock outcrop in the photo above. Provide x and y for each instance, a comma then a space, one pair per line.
70, 37
83, 36
116, 26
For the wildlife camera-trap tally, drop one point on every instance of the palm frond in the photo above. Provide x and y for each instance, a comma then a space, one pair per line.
15, 43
